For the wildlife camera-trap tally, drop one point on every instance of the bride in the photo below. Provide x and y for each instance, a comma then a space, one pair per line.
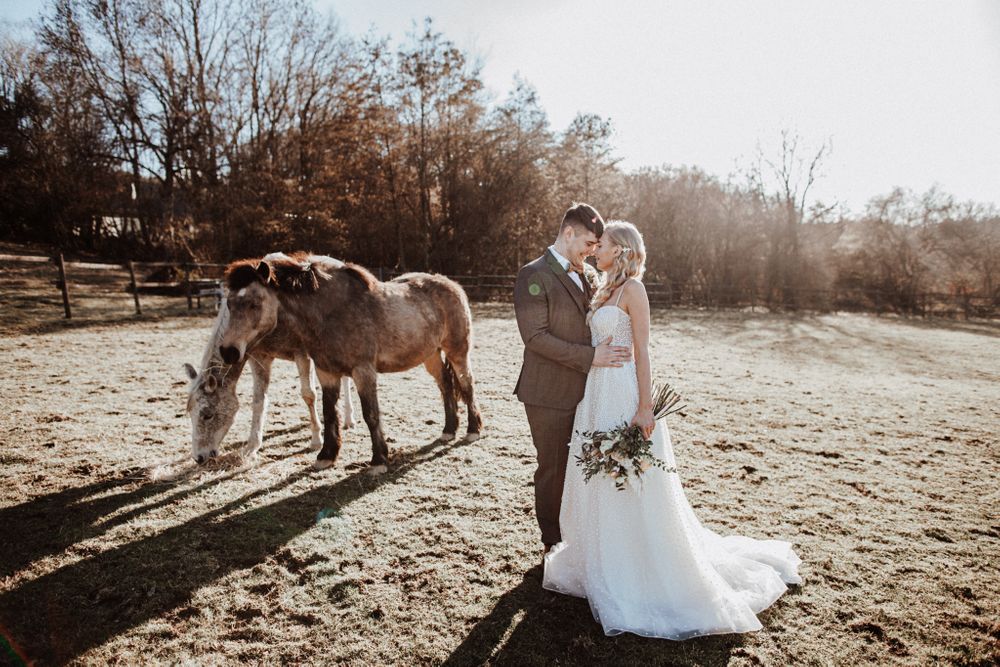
640, 556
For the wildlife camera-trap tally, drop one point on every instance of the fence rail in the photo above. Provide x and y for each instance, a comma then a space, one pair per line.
195, 281
500, 287
199, 281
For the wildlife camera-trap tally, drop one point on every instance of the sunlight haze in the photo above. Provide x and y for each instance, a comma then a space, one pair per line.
908, 93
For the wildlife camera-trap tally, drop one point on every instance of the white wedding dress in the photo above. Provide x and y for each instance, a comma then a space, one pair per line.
640, 556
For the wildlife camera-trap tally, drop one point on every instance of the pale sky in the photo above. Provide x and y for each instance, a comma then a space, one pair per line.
907, 90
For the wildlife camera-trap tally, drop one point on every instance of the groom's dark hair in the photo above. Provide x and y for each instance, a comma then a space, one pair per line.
583, 216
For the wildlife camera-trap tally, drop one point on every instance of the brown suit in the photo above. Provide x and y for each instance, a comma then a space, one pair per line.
551, 316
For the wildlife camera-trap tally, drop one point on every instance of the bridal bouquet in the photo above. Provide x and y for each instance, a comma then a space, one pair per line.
624, 452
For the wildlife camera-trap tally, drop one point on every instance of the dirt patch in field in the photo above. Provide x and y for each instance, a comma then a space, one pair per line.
869, 443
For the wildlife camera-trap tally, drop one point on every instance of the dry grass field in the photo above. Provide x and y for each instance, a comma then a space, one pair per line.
869, 443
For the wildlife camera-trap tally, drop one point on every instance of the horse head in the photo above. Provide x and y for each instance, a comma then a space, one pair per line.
253, 288
253, 307
212, 407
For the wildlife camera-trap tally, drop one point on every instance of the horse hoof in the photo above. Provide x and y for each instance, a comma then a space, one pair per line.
322, 464
377, 470
348, 424
447, 437
316, 445
472, 437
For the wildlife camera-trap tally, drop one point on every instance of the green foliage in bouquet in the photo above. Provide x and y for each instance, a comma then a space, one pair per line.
623, 452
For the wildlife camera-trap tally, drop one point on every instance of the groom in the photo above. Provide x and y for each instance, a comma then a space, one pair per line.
551, 298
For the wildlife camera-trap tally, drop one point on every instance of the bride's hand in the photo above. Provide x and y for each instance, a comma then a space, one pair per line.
644, 420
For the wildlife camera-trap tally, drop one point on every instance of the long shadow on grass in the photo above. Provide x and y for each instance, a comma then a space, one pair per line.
51, 523
61, 615
555, 627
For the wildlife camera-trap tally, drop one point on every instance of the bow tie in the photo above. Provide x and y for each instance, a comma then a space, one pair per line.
575, 269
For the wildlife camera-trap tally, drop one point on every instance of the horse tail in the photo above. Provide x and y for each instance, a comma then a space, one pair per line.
452, 385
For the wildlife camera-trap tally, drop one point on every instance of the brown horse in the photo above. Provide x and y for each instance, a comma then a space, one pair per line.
213, 403
351, 323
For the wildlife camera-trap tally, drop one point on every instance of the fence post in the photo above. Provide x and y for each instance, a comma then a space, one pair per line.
187, 285
135, 288
62, 284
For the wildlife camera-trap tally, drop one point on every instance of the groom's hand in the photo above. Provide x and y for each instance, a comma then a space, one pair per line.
607, 355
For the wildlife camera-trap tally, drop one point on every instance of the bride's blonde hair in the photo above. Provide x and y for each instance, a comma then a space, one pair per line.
630, 263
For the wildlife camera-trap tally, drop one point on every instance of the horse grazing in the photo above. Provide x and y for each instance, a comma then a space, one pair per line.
352, 324
212, 401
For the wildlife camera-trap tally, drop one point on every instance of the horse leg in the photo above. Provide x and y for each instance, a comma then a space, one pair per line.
330, 384
461, 367
446, 383
305, 367
347, 401
261, 379
366, 380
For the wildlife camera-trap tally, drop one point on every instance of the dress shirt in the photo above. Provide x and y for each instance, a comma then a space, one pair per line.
574, 276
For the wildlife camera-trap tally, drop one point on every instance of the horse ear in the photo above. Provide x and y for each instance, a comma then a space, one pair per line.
191, 372
265, 272
240, 274
211, 383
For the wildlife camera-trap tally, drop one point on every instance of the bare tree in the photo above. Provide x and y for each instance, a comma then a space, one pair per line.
249, 126
584, 166
438, 90
784, 182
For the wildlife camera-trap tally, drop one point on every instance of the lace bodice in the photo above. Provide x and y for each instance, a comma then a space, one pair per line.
611, 321
612, 392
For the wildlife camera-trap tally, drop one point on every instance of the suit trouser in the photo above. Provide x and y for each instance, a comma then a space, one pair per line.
551, 429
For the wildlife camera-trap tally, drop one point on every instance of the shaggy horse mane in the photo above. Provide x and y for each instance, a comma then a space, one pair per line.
298, 273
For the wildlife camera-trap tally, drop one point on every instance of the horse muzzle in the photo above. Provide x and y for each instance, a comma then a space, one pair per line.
200, 458
230, 354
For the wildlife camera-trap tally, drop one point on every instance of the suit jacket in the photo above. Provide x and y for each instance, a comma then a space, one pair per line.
551, 316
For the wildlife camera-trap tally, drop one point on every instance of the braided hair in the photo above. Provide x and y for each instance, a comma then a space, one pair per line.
630, 262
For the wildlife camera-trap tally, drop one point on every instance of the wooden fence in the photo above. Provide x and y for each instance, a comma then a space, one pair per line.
202, 282
662, 295
195, 282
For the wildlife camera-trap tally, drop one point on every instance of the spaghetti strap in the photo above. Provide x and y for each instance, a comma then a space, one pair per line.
621, 290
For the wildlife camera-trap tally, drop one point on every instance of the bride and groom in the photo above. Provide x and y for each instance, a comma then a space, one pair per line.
640, 557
